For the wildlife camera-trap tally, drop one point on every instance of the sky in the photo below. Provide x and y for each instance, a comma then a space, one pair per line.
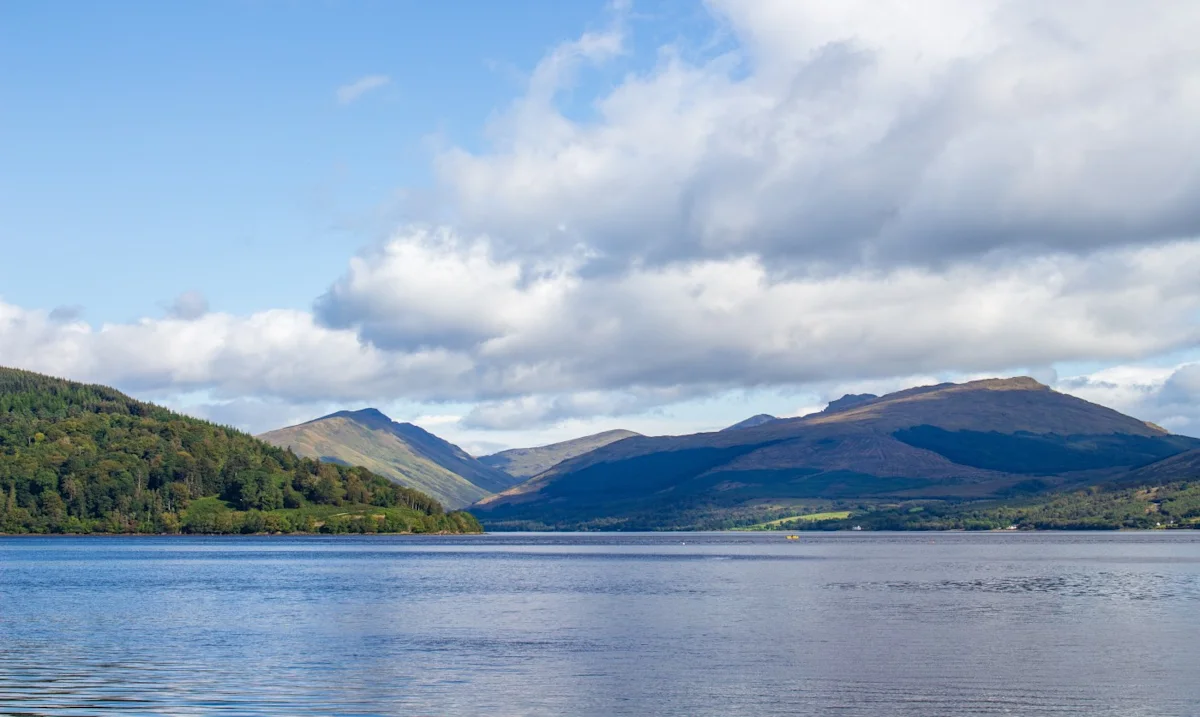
516, 223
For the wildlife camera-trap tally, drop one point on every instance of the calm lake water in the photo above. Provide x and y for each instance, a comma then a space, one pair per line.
603, 624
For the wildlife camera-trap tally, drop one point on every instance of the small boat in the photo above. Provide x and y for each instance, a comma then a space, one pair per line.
857, 527
793, 537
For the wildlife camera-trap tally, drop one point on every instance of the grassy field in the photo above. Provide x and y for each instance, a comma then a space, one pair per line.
809, 517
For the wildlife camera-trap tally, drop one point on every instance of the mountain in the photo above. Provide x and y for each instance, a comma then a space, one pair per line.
981, 439
1181, 466
751, 422
528, 462
850, 400
407, 454
80, 458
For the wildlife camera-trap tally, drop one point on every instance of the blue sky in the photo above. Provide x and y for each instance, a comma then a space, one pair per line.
201, 145
522, 221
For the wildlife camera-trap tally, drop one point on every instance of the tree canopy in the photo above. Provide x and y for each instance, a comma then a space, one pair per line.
86, 458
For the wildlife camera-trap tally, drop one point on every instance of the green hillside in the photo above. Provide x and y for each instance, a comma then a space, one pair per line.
984, 440
402, 452
82, 458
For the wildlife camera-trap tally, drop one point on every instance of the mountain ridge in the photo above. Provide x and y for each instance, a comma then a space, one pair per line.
403, 452
961, 441
751, 422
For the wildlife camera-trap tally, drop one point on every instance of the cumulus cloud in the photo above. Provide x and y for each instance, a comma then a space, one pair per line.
273, 354
732, 323
864, 132
352, 91
428, 287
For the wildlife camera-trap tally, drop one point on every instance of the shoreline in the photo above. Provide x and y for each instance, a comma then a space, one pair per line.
215, 535
782, 533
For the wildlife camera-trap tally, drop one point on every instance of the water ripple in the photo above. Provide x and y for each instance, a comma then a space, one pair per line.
701, 624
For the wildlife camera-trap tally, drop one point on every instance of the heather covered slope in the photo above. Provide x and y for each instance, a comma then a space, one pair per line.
402, 452
974, 440
528, 462
83, 458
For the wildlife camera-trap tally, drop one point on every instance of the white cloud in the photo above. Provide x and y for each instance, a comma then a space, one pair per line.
1166, 395
271, 354
545, 335
443, 419
355, 90
541, 410
863, 133
428, 287
247, 413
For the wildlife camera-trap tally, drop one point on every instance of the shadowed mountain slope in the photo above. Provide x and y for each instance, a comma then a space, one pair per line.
527, 462
1182, 466
978, 439
405, 453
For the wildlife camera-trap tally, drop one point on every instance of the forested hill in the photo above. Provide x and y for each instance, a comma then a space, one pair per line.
81, 458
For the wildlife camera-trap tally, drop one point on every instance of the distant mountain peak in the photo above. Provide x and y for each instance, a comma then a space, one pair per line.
403, 452
1016, 383
371, 413
856, 400
850, 400
363, 415
751, 422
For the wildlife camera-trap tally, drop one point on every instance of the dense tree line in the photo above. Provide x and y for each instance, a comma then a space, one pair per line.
83, 458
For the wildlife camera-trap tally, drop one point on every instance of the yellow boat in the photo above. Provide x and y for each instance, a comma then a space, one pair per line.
793, 537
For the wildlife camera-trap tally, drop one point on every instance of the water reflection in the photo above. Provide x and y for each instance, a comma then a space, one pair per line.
601, 625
